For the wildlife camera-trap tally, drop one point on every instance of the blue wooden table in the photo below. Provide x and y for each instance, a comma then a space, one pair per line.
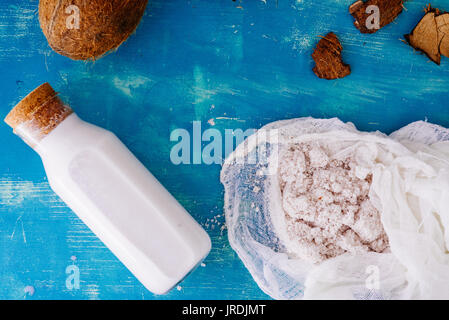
227, 64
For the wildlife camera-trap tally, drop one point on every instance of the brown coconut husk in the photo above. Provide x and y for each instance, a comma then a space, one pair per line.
104, 25
327, 56
388, 10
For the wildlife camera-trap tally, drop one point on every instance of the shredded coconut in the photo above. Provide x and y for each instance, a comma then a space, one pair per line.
326, 202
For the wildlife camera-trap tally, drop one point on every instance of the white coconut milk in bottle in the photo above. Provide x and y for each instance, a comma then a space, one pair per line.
111, 191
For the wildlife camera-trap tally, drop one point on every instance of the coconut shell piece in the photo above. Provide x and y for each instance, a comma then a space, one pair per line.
388, 11
327, 56
442, 22
424, 37
431, 34
87, 29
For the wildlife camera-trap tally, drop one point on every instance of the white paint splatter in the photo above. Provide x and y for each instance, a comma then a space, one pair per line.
13, 192
299, 41
23, 229
18, 25
29, 290
298, 5
93, 291
200, 89
229, 118
128, 84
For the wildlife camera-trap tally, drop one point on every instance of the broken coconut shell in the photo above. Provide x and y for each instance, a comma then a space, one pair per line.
442, 22
388, 11
103, 25
327, 56
431, 34
424, 37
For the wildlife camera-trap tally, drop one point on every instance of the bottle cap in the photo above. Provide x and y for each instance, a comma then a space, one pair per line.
37, 114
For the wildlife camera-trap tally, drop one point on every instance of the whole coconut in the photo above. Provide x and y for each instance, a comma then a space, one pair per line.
87, 29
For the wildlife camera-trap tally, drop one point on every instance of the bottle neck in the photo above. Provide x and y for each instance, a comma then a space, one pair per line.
62, 138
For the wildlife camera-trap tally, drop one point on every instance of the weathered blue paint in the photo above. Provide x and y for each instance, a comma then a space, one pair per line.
228, 64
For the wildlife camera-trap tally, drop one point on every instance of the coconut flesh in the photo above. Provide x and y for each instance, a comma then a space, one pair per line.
83, 30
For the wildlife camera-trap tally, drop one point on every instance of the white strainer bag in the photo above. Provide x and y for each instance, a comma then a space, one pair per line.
410, 188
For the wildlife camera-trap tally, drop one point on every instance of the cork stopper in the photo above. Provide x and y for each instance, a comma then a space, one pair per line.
37, 114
